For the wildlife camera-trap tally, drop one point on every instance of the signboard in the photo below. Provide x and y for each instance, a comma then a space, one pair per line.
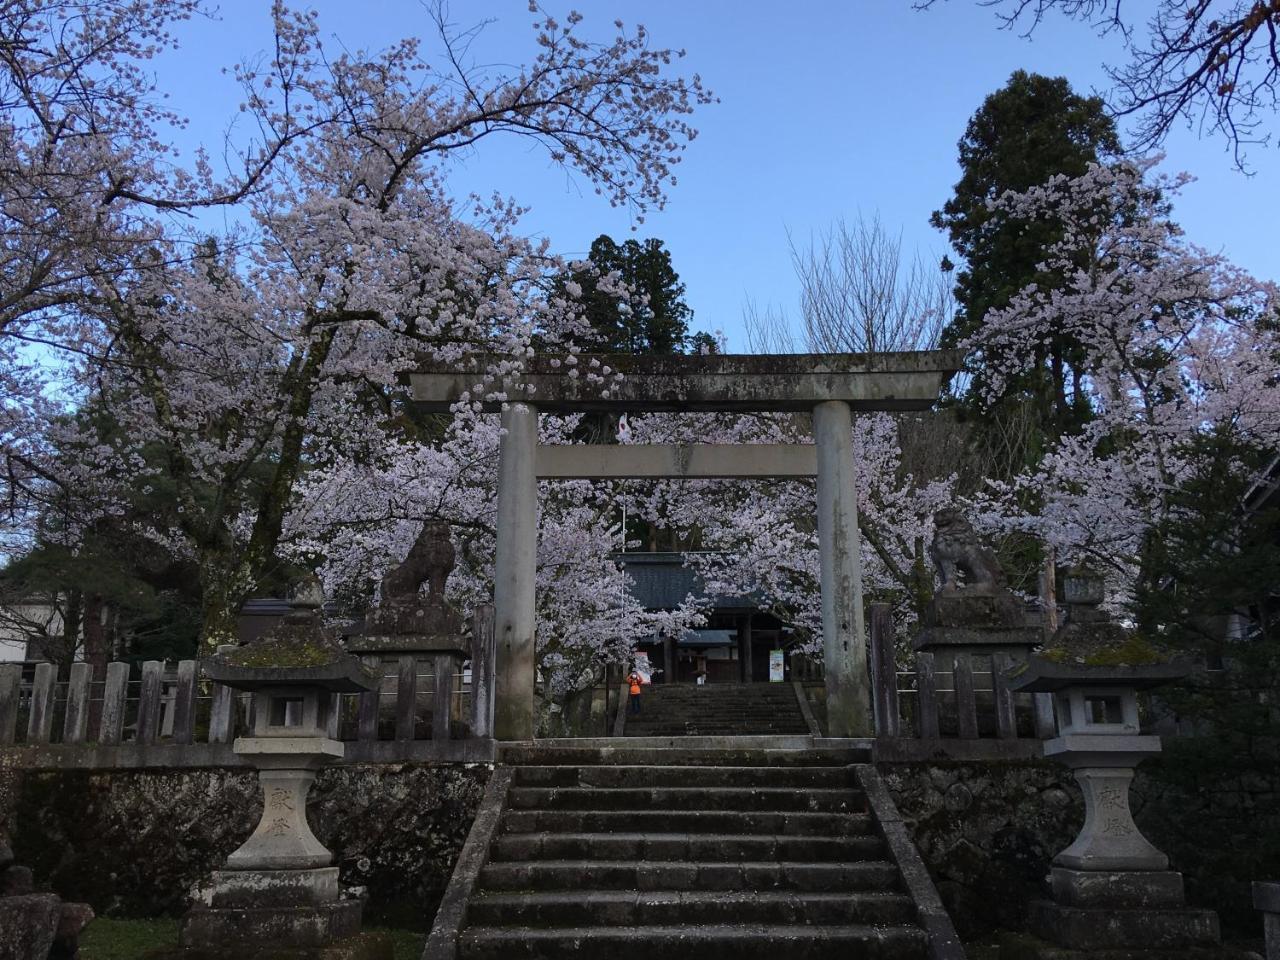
776, 667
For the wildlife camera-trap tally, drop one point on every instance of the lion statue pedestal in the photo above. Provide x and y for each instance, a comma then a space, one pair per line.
973, 612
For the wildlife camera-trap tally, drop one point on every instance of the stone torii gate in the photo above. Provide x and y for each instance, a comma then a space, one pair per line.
829, 386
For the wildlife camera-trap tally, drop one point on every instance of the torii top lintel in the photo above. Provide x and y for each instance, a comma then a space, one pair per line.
741, 382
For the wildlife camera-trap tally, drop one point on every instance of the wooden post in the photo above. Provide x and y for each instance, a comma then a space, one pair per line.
114, 690
10, 684
927, 694
184, 703
483, 653
149, 701
748, 652
1006, 719
40, 720
75, 724
884, 671
441, 697
406, 698
1045, 726
966, 704
367, 717
220, 715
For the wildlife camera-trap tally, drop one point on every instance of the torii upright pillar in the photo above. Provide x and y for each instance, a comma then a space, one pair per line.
840, 555
515, 572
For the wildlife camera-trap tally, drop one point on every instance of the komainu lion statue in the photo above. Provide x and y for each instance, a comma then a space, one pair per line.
957, 552
430, 561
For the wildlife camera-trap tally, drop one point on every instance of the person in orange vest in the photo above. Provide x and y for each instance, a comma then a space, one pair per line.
634, 682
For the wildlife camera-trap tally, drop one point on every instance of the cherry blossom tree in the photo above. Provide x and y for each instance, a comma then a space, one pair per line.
278, 346
760, 538
362, 520
1180, 345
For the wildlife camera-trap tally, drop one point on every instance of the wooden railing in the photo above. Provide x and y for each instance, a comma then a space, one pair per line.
930, 704
175, 706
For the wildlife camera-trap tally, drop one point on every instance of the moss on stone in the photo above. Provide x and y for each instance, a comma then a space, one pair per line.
1131, 651
285, 652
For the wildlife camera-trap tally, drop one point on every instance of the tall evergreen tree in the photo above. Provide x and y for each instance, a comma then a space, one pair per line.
656, 318
1033, 128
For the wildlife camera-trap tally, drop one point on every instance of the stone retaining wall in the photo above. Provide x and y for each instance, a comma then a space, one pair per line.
987, 832
132, 843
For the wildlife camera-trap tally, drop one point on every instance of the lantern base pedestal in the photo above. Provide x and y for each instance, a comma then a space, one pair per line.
321, 931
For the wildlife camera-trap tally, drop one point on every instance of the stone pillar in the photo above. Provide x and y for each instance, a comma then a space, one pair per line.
515, 569
1109, 839
283, 839
839, 548
1266, 897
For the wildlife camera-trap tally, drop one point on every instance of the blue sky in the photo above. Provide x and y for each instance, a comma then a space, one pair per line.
827, 109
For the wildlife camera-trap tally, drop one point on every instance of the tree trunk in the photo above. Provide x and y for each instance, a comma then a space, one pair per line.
95, 645
72, 618
1049, 593
224, 586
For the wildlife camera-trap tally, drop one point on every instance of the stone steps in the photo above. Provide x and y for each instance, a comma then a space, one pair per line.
748, 941
688, 875
649, 775
768, 853
717, 710
659, 908
684, 846
758, 751
788, 823
822, 799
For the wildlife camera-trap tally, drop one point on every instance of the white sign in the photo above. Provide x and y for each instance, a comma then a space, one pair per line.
776, 667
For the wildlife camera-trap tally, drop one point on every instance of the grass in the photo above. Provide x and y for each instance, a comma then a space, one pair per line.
407, 943
108, 939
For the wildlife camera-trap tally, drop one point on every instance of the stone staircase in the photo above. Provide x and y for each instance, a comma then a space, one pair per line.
629, 853
717, 709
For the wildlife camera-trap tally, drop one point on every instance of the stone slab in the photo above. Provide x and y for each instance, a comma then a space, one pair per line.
1082, 928
318, 750
1266, 896
409, 642
1021, 946
29, 924
344, 675
270, 888
1046, 676
978, 609
1117, 888
227, 928
790, 382
1101, 749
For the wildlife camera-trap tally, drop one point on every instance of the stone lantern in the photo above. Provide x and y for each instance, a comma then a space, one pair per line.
1112, 888
280, 887
409, 624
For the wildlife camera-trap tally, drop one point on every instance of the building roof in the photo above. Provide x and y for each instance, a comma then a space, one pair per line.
661, 581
